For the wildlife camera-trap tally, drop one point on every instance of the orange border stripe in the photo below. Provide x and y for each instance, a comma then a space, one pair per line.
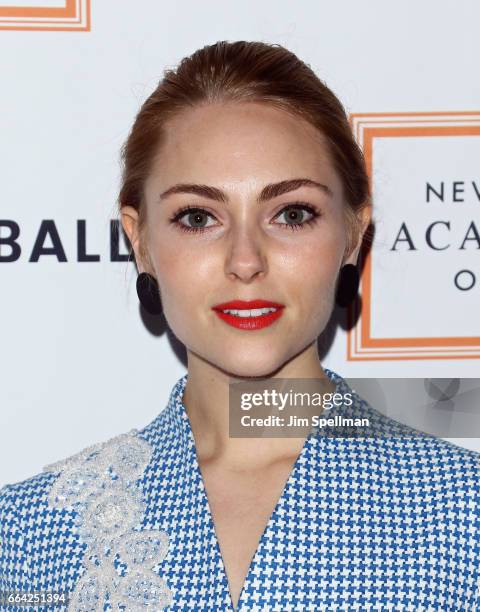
66, 15
412, 347
68, 11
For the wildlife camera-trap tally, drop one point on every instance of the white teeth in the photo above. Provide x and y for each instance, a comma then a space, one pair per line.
256, 312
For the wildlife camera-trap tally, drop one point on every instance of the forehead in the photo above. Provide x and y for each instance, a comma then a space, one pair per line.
235, 141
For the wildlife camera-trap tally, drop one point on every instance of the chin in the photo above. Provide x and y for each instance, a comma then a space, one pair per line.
259, 366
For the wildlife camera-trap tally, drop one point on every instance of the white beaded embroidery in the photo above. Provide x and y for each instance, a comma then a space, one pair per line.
99, 483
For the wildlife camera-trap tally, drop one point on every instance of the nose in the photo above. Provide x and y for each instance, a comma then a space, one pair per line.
246, 257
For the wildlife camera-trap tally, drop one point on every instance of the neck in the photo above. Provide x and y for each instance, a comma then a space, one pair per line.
206, 398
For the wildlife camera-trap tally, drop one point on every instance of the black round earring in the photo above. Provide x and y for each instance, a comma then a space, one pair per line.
348, 284
148, 293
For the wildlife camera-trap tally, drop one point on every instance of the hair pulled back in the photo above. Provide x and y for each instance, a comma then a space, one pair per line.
244, 71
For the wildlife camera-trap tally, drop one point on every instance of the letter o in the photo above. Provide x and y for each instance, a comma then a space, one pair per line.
472, 276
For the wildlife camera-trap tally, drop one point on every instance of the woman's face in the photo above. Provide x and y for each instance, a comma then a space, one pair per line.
247, 245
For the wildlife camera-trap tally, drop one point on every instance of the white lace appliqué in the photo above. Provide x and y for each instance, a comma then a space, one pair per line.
99, 483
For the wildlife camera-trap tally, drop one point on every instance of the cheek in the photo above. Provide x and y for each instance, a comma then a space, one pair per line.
312, 264
183, 273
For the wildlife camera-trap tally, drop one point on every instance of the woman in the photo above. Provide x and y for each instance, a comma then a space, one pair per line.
243, 190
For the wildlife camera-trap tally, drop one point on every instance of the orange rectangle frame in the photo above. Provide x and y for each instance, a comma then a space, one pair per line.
360, 343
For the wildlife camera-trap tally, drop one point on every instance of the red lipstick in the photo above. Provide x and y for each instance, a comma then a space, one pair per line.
257, 321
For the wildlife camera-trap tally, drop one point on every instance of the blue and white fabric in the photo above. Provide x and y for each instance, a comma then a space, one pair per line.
387, 522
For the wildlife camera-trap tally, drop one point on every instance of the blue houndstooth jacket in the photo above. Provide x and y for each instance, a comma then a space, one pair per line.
381, 523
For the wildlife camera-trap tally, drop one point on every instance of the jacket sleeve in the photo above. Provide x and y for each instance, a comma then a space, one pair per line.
13, 560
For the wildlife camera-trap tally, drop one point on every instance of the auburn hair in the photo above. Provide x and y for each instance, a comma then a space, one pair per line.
244, 71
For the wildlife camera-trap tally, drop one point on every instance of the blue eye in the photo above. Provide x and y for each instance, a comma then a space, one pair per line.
295, 217
194, 215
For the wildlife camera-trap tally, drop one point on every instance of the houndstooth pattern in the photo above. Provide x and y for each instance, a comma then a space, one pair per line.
378, 523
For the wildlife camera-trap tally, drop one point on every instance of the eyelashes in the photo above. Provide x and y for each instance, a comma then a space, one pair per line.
295, 206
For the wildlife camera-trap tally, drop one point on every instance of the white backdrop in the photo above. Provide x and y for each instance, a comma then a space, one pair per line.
77, 363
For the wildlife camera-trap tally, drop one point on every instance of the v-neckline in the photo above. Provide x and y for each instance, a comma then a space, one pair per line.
289, 485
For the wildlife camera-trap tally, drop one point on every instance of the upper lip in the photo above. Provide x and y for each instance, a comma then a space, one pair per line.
243, 305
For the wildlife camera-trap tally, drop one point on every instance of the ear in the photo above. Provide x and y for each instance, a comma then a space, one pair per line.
130, 224
364, 216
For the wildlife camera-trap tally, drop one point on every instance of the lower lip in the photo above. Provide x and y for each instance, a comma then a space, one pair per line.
250, 322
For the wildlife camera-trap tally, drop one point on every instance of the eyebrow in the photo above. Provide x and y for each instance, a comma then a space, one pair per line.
269, 192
